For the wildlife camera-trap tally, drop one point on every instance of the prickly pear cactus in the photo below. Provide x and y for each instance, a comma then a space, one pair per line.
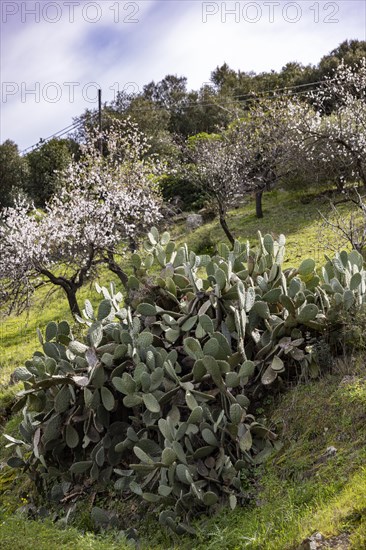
157, 398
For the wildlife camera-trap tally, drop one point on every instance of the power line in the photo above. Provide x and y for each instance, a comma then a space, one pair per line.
60, 133
241, 99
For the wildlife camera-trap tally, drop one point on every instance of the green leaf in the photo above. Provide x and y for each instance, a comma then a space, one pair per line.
88, 310
245, 441
247, 369
233, 501
212, 348
51, 350
40, 336
220, 278
81, 467
126, 384
277, 364
189, 323
206, 323
190, 400
165, 429
268, 243
172, 335
249, 299
133, 283
348, 299
224, 346
168, 456
272, 296
136, 261
96, 334
131, 400
51, 331
77, 347
100, 517
151, 497
15, 462
62, 399
261, 309
71, 437
104, 309
236, 413
193, 348
307, 267
356, 280
148, 310
145, 339
209, 437
151, 403
144, 457
232, 293
243, 401
199, 370
213, 369
22, 373
164, 490
269, 376
308, 313
210, 498
196, 416
232, 379
170, 286
107, 398
165, 238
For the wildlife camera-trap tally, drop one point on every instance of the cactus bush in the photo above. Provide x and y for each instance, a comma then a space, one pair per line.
157, 399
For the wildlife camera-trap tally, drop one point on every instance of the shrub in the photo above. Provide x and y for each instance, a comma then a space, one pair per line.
182, 193
157, 398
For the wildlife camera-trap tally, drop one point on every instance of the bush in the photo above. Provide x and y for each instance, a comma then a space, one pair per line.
158, 397
182, 193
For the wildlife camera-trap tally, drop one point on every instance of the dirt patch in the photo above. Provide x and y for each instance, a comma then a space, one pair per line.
318, 541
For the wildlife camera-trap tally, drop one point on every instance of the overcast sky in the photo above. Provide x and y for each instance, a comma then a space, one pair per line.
55, 54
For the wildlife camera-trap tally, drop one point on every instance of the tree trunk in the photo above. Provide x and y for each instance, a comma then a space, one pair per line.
223, 223
71, 298
258, 204
115, 268
225, 226
69, 287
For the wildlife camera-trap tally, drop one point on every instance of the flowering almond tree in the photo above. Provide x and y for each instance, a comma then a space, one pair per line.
218, 164
266, 135
107, 201
335, 135
255, 152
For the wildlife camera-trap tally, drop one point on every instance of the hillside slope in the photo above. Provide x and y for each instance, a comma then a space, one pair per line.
315, 486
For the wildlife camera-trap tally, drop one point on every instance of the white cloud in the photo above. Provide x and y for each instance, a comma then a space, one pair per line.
170, 37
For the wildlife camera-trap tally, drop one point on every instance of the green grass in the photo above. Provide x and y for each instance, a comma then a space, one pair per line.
297, 492
23, 534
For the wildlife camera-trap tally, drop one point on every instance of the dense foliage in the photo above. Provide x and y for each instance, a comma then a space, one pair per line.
172, 379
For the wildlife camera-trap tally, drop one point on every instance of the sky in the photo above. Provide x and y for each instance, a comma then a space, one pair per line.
55, 54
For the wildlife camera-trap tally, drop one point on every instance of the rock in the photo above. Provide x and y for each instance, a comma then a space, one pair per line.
208, 214
193, 221
347, 380
308, 544
331, 451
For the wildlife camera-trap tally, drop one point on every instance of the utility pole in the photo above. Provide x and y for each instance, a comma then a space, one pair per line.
100, 119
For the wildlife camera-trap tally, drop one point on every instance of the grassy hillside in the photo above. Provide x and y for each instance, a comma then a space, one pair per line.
315, 484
